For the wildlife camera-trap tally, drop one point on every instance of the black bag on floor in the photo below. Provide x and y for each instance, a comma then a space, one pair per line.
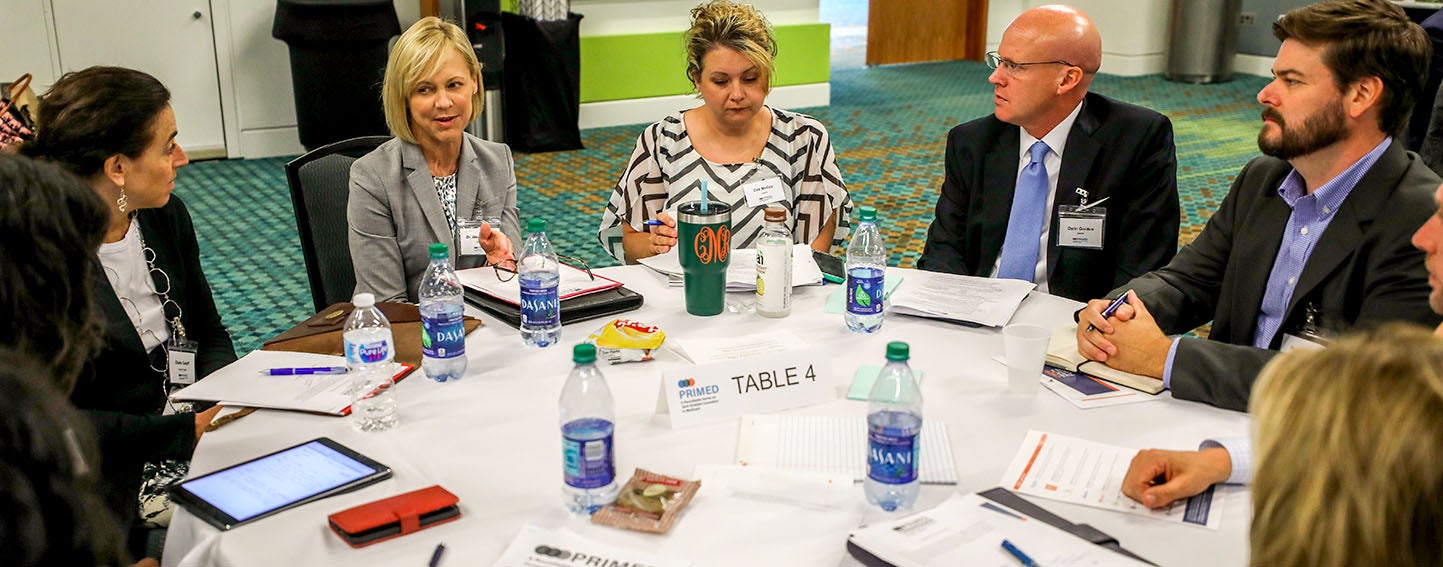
543, 83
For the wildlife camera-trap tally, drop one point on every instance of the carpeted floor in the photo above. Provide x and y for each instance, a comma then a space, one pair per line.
888, 127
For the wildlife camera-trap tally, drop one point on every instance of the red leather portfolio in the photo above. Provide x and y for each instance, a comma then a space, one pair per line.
395, 516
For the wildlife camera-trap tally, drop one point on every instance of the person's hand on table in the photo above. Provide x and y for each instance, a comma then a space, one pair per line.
203, 419
1130, 340
1158, 477
663, 236
496, 244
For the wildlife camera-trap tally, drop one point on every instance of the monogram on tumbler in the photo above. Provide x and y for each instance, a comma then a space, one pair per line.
704, 239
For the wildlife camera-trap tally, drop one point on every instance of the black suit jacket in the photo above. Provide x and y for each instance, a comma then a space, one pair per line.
1114, 150
1363, 271
120, 393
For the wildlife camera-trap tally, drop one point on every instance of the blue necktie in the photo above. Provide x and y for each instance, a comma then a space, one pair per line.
1024, 225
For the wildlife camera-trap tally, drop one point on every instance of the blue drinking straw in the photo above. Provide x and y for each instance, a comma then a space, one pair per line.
703, 196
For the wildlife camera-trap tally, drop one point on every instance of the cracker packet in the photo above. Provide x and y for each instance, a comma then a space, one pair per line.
624, 340
649, 502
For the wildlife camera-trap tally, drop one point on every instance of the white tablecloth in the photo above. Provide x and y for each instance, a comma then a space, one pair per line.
492, 439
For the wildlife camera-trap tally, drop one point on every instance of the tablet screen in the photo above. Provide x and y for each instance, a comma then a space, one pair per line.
277, 480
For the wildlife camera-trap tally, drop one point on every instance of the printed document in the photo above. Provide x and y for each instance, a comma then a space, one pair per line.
574, 282
989, 302
536, 547
741, 267
1084, 472
241, 383
834, 445
968, 529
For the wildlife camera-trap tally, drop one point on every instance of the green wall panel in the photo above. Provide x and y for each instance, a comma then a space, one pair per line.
620, 67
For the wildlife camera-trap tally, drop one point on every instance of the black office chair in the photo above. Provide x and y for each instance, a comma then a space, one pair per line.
320, 187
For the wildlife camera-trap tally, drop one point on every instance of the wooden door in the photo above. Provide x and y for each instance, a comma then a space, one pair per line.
170, 39
912, 31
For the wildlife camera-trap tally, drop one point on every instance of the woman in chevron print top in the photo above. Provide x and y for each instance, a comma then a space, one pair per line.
733, 141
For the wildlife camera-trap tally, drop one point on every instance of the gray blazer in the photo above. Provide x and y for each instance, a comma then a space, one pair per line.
394, 214
1362, 272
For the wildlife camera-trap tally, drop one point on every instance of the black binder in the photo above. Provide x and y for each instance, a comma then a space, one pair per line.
579, 308
1004, 497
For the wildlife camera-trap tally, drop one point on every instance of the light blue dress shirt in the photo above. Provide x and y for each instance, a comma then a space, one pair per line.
1309, 219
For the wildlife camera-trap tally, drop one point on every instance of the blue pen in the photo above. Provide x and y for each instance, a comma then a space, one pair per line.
654, 222
1112, 308
305, 371
1021, 557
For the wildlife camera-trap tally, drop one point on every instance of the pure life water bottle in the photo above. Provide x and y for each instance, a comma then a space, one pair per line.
370, 349
443, 329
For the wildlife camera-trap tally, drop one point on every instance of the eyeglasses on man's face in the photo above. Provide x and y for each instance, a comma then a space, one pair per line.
506, 269
1011, 67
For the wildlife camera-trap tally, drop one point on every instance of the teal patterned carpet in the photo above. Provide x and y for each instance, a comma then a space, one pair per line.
888, 127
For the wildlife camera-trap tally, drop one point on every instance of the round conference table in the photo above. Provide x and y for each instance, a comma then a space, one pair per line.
492, 439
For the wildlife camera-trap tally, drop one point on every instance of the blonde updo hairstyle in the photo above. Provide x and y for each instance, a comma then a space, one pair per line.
740, 27
1349, 443
415, 57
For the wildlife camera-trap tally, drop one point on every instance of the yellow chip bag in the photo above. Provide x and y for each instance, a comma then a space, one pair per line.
624, 340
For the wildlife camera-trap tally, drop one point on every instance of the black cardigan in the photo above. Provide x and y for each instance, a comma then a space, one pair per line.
120, 393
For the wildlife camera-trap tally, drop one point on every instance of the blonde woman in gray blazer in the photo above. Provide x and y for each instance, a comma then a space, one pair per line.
412, 190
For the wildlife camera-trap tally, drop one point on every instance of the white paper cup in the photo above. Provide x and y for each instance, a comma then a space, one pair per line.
1025, 347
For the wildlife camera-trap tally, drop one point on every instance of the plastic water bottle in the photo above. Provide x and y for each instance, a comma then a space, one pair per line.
774, 266
894, 426
370, 349
443, 330
866, 275
588, 454
540, 275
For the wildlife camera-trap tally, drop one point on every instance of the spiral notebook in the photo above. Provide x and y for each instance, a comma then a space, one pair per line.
833, 444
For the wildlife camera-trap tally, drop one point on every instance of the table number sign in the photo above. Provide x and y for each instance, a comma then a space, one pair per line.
709, 393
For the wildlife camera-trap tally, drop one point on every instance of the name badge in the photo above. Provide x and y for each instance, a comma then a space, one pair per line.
468, 234
181, 367
1081, 228
714, 392
1291, 341
769, 190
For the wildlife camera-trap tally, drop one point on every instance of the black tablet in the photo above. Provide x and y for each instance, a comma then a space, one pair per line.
271, 483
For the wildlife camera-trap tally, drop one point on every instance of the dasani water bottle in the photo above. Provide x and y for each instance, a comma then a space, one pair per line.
587, 418
443, 330
894, 427
540, 275
866, 274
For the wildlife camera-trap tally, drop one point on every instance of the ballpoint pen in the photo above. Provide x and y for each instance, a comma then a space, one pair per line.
1112, 308
436, 555
305, 371
1021, 557
655, 222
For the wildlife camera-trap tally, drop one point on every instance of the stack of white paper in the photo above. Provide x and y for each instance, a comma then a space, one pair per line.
1085, 472
989, 302
968, 529
741, 268
831, 444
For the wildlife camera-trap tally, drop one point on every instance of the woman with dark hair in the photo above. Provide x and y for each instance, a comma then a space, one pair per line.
50, 514
115, 129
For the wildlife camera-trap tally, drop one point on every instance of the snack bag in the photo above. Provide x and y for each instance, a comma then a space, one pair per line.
649, 502
623, 340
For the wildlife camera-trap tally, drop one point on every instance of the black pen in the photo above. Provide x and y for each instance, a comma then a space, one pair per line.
436, 555
1111, 308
